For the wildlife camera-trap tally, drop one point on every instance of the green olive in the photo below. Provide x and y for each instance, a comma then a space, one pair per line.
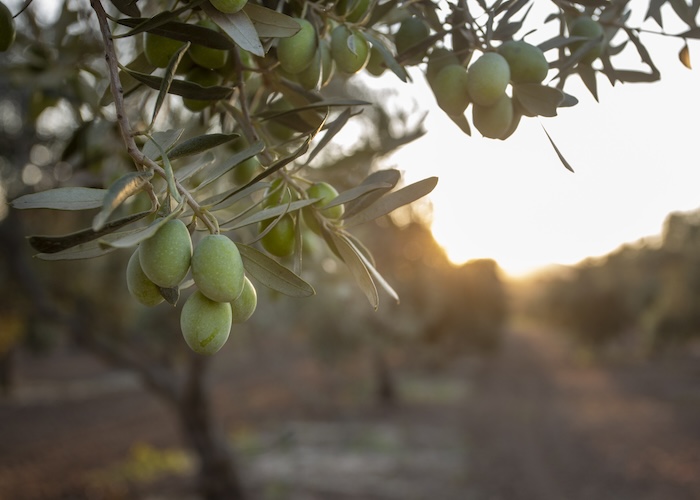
205, 323
159, 49
217, 268
349, 49
591, 29
205, 78
208, 57
526, 61
296, 52
450, 89
326, 193
280, 239
487, 78
244, 306
165, 256
411, 33
138, 284
228, 6
494, 121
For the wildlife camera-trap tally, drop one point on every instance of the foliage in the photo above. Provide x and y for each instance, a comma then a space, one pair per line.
259, 79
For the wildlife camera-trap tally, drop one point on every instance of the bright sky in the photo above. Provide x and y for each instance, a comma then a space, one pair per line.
634, 153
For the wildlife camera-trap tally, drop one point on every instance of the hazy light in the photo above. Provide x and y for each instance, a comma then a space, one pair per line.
31, 175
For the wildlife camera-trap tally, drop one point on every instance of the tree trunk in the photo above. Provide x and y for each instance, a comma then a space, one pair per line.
385, 385
218, 473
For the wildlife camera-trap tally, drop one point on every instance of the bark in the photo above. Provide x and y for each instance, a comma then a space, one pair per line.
218, 472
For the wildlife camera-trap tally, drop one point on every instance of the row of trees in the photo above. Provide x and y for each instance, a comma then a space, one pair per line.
647, 291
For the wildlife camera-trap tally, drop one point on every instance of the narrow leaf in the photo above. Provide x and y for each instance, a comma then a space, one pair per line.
89, 250
54, 244
118, 192
168, 79
63, 198
351, 257
188, 90
556, 149
268, 213
394, 200
133, 238
538, 99
272, 274
231, 163
391, 177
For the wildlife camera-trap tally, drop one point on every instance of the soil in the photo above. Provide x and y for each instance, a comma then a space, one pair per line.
530, 422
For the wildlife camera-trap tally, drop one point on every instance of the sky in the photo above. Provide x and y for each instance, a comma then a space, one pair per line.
634, 154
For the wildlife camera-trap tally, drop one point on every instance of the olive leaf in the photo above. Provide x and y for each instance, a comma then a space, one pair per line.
394, 200
128, 83
270, 23
268, 213
391, 177
272, 274
183, 88
537, 99
199, 144
173, 63
62, 198
164, 139
388, 57
127, 7
238, 27
120, 190
230, 163
89, 250
556, 150
54, 244
352, 258
133, 238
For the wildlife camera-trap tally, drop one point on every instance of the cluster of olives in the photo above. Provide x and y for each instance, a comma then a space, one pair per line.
224, 294
279, 239
8, 31
485, 81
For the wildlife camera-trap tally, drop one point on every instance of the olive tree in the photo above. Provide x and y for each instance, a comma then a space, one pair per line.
211, 121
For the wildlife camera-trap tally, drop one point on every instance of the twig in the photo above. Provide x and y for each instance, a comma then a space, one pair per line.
141, 161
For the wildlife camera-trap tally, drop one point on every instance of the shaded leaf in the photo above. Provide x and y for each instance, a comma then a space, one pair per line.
588, 76
353, 259
89, 250
133, 238
53, 244
168, 79
390, 177
358, 192
462, 122
394, 200
333, 128
272, 274
538, 99
270, 23
120, 190
188, 90
63, 198
171, 295
556, 149
238, 27
388, 57
199, 144
268, 213
232, 162
127, 7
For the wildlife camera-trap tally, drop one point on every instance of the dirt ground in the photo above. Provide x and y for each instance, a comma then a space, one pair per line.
529, 423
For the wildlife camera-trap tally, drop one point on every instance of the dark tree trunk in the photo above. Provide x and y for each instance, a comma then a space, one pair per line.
385, 385
218, 473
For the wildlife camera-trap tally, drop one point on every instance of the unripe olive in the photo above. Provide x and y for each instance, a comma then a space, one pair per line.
487, 78
296, 52
205, 323
276, 128
450, 89
140, 287
217, 268
165, 256
375, 65
205, 78
279, 240
327, 62
246, 170
159, 49
349, 49
310, 77
527, 62
208, 57
411, 32
8, 32
439, 58
244, 306
591, 29
228, 6
326, 193
277, 194
494, 121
